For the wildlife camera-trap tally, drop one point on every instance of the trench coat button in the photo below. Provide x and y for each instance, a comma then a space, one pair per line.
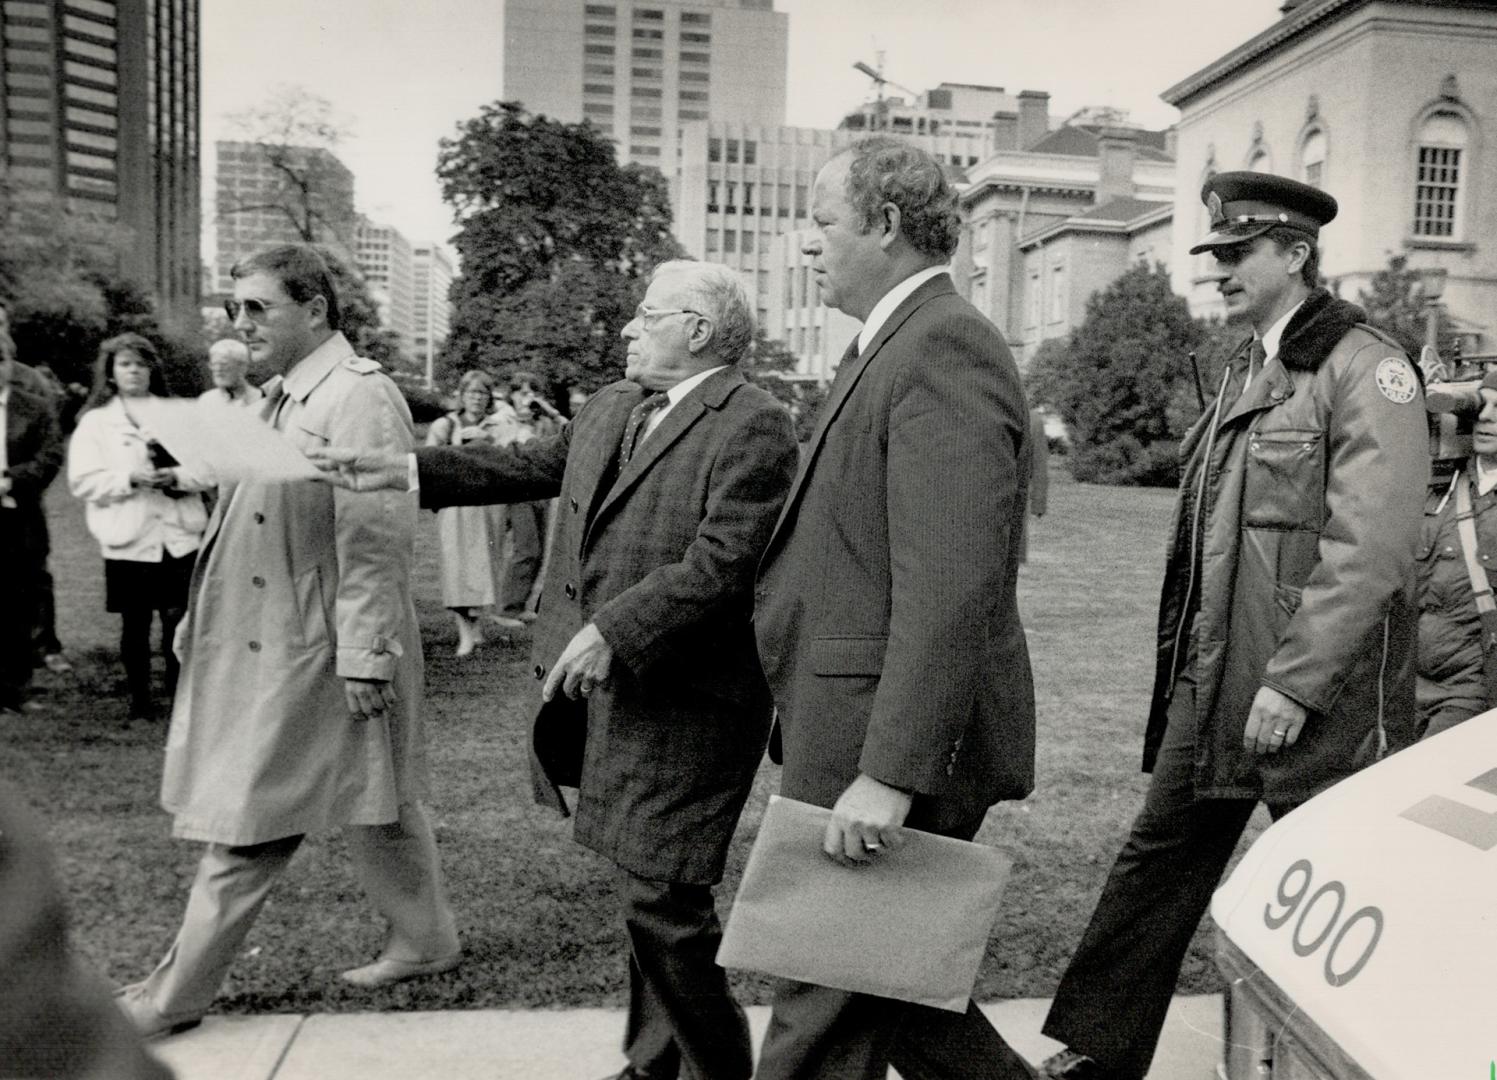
257, 581
254, 646
574, 505
570, 591
259, 518
540, 671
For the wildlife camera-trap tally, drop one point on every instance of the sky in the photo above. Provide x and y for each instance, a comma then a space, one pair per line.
403, 75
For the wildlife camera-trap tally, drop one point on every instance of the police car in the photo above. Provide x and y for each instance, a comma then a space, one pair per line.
1358, 935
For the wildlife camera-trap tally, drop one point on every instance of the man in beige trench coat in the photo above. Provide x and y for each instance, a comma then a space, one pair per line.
299, 702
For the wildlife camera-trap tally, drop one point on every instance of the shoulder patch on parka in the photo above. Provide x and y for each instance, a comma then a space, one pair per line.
362, 365
1396, 380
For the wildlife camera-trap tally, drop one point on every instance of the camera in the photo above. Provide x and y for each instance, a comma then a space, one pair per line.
159, 456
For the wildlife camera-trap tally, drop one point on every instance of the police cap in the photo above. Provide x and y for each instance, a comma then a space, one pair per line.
1245, 205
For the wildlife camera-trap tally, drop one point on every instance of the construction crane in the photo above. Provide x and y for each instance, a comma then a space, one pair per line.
881, 117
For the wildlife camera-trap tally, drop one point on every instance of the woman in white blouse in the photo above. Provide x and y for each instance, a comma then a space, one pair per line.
143, 509
472, 537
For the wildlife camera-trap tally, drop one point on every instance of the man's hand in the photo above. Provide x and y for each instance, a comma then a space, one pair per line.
866, 821
582, 667
1273, 723
362, 470
368, 698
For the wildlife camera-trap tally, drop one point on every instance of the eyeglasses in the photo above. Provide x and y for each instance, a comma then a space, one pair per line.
255, 309
644, 314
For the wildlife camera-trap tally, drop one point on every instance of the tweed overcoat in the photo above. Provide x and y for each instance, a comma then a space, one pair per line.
885, 607
1291, 559
660, 556
298, 586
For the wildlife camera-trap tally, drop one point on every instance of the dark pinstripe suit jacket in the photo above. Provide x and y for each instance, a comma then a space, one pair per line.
885, 609
661, 557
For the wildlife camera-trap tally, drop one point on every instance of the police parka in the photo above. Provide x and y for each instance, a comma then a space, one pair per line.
1293, 542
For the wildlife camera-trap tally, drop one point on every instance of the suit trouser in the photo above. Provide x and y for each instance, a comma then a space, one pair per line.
1113, 997
682, 1017
817, 1033
527, 524
396, 864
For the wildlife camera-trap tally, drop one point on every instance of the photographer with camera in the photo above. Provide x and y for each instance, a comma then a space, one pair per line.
1457, 615
146, 513
527, 521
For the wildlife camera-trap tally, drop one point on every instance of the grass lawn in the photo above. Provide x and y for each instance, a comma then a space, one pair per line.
537, 911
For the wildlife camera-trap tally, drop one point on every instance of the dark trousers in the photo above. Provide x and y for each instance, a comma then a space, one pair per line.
1112, 1000
682, 1018
44, 632
135, 652
17, 614
817, 1033
527, 530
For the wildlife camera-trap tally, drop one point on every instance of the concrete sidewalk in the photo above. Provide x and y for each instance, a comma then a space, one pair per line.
536, 1044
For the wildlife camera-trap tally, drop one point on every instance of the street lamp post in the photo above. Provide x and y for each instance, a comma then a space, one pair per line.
1432, 287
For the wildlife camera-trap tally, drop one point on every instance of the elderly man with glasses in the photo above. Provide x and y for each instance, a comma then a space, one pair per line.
652, 702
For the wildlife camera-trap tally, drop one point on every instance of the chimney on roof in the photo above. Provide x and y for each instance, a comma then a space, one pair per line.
1005, 132
1172, 141
1034, 117
1117, 150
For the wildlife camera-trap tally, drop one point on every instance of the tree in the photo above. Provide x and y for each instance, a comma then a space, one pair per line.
295, 132
556, 241
1122, 383
59, 272
1395, 302
770, 366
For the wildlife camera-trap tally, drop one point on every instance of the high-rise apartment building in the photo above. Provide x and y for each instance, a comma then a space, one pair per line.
432, 309
639, 69
99, 112
386, 261
257, 205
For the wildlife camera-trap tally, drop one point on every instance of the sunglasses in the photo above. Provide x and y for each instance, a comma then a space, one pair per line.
255, 309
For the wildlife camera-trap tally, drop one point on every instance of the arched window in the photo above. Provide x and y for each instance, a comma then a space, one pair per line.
1440, 167
1312, 158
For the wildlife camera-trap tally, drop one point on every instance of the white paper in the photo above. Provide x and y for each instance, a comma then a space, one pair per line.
229, 443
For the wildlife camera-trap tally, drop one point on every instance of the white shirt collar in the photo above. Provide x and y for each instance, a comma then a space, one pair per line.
1486, 479
686, 386
891, 300
1276, 331
674, 396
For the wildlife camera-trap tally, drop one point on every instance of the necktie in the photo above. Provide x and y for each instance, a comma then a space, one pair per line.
637, 417
275, 392
1257, 357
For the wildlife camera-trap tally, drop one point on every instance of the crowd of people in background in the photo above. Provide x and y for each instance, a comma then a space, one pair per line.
703, 589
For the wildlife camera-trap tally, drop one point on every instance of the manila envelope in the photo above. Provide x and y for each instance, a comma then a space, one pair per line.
913, 924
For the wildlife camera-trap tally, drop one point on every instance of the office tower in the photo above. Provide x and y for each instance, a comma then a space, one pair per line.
638, 69
385, 260
99, 113
432, 310
257, 206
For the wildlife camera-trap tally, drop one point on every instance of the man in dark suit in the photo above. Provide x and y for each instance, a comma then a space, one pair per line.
670, 482
32, 454
885, 608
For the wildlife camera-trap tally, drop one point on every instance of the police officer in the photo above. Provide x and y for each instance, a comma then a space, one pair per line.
1287, 620
1457, 614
